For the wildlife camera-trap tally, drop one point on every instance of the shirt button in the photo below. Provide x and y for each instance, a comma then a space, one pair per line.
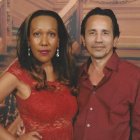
88, 125
90, 108
94, 92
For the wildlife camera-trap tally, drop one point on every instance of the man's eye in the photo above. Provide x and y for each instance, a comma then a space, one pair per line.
105, 33
92, 33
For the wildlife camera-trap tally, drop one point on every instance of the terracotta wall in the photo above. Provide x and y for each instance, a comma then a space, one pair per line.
128, 15
13, 12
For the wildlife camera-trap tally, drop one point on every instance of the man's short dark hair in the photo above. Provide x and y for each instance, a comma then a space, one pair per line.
103, 12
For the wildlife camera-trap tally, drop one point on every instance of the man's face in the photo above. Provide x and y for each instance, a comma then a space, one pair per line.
98, 38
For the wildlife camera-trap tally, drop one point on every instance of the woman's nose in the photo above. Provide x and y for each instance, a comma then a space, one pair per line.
44, 40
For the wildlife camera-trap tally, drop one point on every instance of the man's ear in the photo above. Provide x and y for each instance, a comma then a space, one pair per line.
115, 41
83, 40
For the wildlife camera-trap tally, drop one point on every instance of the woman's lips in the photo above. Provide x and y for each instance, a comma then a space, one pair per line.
44, 52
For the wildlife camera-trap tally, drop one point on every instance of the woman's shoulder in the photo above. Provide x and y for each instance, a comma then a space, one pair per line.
16, 69
14, 66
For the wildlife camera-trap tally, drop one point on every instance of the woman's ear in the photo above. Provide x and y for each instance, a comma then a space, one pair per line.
58, 44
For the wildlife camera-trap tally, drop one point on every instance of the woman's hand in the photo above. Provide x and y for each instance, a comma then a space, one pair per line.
16, 126
30, 136
20, 129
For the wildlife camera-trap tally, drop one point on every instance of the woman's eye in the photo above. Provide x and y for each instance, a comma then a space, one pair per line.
52, 34
36, 34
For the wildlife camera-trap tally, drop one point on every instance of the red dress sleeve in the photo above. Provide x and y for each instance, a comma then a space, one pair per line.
15, 69
22, 74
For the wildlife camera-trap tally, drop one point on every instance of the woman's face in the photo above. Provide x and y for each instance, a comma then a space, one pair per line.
43, 38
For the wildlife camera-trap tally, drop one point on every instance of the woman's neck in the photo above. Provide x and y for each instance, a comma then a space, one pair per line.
51, 75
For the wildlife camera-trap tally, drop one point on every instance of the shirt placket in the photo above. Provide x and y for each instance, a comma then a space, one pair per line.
90, 124
90, 118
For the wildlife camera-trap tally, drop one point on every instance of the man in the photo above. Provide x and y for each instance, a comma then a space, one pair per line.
109, 88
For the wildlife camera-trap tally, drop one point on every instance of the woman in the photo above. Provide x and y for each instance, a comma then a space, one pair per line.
42, 76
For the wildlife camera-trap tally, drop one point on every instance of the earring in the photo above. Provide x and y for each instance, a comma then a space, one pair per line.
29, 50
57, 53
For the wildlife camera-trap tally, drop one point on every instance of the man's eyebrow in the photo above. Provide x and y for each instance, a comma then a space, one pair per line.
90, 30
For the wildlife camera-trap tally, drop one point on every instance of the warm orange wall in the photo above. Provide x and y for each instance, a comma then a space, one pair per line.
128, 15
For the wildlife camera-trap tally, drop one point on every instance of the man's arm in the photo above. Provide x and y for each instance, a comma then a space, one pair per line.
136, 115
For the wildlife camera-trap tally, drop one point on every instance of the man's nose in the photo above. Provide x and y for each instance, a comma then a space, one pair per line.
98, 37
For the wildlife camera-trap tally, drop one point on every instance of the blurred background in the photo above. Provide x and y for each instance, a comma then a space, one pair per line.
13, 12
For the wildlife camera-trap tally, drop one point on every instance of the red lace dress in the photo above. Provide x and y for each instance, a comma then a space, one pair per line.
48, 112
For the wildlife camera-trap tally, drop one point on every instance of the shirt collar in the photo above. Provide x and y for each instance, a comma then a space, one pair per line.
84, 68
112, 64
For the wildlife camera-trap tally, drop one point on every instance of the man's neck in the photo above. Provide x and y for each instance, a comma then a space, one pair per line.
99, 64
96, 68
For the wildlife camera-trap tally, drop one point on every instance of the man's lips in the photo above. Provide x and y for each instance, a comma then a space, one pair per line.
98, 47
